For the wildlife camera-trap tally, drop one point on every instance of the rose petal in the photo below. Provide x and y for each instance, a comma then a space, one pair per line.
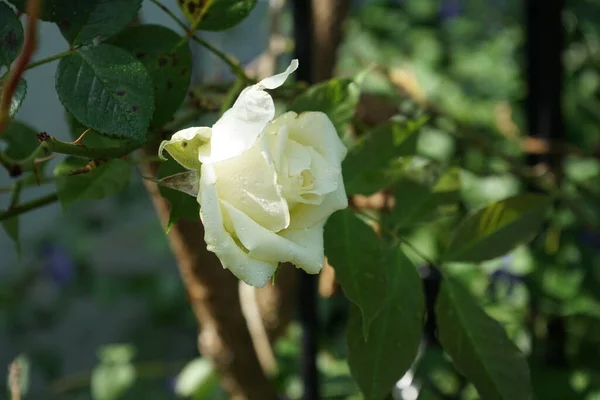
186, 145
312, 129
249, 183
303, 248
307, 215
240, 126
250, 270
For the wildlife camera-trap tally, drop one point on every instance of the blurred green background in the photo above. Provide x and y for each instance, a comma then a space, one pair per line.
97, 297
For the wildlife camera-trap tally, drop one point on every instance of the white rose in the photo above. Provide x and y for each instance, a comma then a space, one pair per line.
267, 186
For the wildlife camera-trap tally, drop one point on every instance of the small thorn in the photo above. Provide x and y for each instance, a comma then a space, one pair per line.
80, 138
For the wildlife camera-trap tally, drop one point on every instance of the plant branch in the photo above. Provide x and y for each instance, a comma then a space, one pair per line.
235, 66
49, 59
28, 206
54, 145
20, 64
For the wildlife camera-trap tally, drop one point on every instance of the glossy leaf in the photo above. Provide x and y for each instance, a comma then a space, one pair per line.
21, 140
107, 89
18, 97
84, 22
169, 69
225, 14
92, 137
368, 166
183, 206
395, 334
103, 181
11, 36
337, 98
479, 346
354, 251
494, 230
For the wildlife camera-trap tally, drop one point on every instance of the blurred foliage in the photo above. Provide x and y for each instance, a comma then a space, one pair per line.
453, 71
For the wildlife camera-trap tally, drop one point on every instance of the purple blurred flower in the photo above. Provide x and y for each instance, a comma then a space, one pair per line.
58, 264
450, 9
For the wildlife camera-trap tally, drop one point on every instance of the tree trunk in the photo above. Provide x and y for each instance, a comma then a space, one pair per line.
214, 297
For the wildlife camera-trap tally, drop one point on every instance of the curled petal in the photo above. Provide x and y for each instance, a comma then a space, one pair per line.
233, 257
239, 127
304, 216
303, 248
312, 129
186, 146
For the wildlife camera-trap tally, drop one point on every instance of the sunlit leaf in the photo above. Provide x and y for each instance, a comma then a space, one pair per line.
479, 347
115, 374
224, 14
354, 251
498, 228
197, 377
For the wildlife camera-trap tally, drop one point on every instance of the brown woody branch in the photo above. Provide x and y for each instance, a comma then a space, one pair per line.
214, 297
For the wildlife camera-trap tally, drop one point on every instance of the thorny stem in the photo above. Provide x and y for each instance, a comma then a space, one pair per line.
20, 64
28, 206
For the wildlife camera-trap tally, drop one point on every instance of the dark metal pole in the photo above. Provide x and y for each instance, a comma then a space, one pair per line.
545, 41
307, 284
545, 74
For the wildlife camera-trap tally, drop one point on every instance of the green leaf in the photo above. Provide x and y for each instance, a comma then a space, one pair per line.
11, 227
197, 377
337, 98
21, 140
169, 69
395, 334
369, 164
417, 202
354, 251
17, 100
479, 346
115, 375
11, 35
497, 228
194, 10
225, 14
48, 7
92, 138
183, 206
107, 89
105, 180
84, 22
